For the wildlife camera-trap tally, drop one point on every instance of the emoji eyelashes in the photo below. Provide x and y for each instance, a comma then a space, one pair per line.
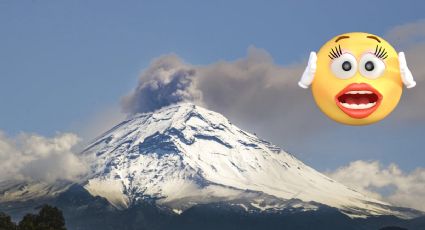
357, 78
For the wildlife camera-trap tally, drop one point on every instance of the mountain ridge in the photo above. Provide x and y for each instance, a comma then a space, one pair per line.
208, 159
185, 167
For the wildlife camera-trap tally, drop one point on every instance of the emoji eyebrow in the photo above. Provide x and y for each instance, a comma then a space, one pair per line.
373, 37
341, 37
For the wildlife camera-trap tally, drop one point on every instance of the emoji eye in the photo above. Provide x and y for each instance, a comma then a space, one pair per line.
345, 66
371, 66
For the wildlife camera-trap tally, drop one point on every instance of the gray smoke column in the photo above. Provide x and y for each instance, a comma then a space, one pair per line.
252, 91
256, 93
167, 81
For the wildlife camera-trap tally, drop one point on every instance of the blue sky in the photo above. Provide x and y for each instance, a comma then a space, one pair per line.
64, 62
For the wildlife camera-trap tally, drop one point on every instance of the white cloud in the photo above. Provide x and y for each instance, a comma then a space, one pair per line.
388, 183
32, 157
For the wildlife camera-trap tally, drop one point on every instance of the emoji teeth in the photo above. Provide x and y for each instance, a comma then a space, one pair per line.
358, 106
359, 92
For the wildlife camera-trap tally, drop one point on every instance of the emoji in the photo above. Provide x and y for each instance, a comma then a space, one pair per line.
357, 78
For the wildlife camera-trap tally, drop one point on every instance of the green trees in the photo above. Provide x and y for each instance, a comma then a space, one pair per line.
49, 218
6, 222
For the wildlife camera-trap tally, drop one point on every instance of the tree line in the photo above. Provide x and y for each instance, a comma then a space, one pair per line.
48, 218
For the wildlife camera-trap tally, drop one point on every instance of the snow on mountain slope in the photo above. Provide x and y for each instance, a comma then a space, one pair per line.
184, 155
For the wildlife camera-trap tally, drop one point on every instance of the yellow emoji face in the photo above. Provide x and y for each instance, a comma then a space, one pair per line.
357, 78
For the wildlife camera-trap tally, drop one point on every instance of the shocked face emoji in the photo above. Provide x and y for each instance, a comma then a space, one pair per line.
357, 78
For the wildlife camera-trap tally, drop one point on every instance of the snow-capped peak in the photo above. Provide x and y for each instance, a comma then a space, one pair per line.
185, 154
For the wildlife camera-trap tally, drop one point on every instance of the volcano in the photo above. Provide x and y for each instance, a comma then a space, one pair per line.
183, 157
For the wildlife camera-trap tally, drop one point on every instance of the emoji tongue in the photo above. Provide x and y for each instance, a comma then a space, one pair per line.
357, 99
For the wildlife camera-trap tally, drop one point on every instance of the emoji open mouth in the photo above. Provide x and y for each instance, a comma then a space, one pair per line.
358, 100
